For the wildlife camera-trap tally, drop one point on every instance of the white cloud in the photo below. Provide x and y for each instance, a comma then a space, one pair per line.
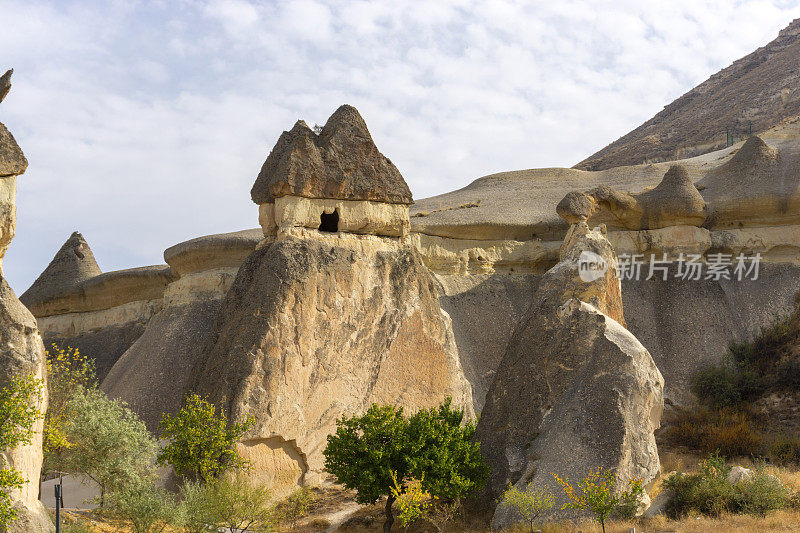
146, 123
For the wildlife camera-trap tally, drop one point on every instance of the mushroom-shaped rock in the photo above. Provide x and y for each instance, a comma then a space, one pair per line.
342, 162
73, 264
616, 209
675, 201
754, 154
576, 207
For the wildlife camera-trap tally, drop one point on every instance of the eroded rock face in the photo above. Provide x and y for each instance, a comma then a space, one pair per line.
342, 162
22, 354
151, 374
575, 389
5, 83
21, 348
360, 217
674, 201
73, 264
318, 326
758, 186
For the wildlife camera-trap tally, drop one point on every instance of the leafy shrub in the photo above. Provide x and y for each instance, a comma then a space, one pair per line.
760, 495
753, 367
67, 370
110, 443
201, 444
411, 501
229, 501
709, 492
788, 373
414, 503
145, 507
720, 386
18, 413
598, 494
295, 506
528, 504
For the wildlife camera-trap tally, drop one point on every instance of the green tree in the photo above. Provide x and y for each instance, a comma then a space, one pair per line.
529, 504
110, 444
19, 411
229, 501
201, 444
369, 452
443, 454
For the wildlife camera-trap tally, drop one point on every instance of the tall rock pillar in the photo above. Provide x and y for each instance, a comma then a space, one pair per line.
21, 348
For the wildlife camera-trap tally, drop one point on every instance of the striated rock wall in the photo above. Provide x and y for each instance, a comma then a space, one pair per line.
316, 326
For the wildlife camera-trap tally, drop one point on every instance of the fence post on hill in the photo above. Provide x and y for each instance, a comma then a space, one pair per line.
58, 507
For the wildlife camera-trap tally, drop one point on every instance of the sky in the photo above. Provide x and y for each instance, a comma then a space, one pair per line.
146, 123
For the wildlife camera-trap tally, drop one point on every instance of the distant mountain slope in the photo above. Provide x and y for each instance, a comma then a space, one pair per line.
762, 87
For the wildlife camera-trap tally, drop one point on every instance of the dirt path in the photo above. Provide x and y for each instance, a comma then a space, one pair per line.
340, 517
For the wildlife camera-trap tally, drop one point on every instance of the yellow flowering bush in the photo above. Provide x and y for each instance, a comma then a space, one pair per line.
598, 494
67, 371
411, 498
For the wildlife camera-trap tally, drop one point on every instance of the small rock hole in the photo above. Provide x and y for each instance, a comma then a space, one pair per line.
329, 221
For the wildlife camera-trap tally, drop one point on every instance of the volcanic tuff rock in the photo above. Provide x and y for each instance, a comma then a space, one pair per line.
73, 264
758, 186
5, 83
12, 160
675, 201
21, 355
318, 326
342, 162
762, 87
151, 373
482, 240
575, 389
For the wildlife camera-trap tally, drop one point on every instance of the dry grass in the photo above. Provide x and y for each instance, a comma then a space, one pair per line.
369, 518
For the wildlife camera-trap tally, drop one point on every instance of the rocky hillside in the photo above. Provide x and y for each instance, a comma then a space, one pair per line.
762, 87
